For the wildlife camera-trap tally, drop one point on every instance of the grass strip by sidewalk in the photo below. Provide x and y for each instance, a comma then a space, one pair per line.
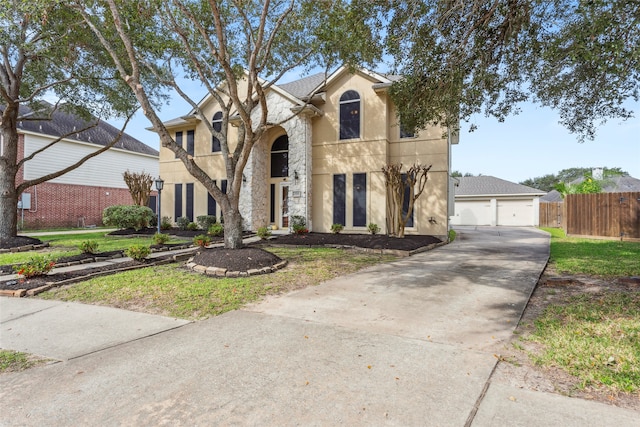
596, 338
606, 258
174, 291
15, 361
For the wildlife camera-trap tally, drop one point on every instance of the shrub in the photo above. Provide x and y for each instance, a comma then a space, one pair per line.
336, 228
37, 265
160, 238
183, 222
89, 247
373, 228
138, 252
192, 226
263, 233
205, 221
126, 216
201, 240
165, 223
299, 224
215, 230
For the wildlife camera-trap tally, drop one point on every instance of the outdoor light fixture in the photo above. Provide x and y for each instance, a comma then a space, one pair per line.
159, 185
244, 178
295, 175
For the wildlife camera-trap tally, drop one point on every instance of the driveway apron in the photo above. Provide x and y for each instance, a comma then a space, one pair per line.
411, 342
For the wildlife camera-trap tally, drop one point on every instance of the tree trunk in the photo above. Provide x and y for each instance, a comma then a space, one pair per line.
8, 208
8, 169
232, 228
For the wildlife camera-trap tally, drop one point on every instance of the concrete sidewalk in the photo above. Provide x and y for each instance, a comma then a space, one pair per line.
409, 343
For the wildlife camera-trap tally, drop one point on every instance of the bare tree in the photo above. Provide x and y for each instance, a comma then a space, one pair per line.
139, 184
226, 46
397, 183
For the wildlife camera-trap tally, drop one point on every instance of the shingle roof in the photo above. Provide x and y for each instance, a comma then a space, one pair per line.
489, 185
303, 87
63, 123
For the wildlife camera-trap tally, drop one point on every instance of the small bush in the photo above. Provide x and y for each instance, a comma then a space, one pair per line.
206, 221
138, 252
299, 224
215, 230
201, 240
263, 233
452, 235
373, 228
160, 238
125, 216
165, 223
336, 228
37, 265
192, 226
89, 247
183, 222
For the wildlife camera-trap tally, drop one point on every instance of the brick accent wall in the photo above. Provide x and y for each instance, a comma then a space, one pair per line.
64, 205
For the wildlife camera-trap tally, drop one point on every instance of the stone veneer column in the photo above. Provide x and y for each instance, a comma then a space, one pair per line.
299, 132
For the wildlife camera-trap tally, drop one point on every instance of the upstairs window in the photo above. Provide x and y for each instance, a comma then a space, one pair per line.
191, 142
350, 115
178, 141
216, 123
406, 131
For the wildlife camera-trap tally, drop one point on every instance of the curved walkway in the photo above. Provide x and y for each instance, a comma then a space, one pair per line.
410, 343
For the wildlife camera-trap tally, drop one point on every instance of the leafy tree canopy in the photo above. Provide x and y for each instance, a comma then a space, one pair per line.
458, 59
550, 181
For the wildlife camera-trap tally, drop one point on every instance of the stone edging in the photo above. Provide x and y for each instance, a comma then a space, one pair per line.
25, 248
50, 285
223, 272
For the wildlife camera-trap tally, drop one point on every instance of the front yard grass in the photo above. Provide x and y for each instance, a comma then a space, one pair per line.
62, 245
15, 361
172, 290
607, 258
594, 336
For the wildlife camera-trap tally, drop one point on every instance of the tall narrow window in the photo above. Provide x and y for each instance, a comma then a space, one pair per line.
359, 199
216, 123
350, 115
178, 140
405, 202
339, 199
177, 202
223, 188
190, 141
406, 131
280, 157
211, 204
189, 200
272, 205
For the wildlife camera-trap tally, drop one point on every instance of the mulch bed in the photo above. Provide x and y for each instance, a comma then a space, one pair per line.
18, 241
368, 241
244, 259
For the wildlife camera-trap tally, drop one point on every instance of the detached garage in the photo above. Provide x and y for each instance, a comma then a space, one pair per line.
487, 200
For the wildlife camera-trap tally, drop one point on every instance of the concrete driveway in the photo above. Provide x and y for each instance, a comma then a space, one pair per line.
409, 343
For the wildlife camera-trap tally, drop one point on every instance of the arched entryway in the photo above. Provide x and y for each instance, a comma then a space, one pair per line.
278, 183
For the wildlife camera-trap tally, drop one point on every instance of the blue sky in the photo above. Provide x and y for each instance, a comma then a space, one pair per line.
528, 145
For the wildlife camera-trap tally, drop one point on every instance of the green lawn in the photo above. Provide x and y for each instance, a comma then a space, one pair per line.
594, 336
174, 291
607, 258
15, 361
67, 245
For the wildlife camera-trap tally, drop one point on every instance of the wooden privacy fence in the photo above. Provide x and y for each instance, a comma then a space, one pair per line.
602, 215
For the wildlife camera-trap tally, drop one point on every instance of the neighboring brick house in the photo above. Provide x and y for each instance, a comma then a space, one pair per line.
324, 164
77, 198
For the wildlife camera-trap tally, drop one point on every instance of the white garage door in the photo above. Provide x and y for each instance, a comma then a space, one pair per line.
472, 213
515, 213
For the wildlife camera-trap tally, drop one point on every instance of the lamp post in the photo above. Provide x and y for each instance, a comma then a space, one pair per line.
159, 184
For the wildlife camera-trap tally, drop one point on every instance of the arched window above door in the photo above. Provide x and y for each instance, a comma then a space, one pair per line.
280, 157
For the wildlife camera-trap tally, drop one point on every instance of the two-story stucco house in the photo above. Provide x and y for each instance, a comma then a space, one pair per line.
324, 163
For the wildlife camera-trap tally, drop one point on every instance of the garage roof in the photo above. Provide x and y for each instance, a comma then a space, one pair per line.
491, 186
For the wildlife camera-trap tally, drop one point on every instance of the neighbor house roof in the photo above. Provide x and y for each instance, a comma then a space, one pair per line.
63, 124
491, 186
613, 184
